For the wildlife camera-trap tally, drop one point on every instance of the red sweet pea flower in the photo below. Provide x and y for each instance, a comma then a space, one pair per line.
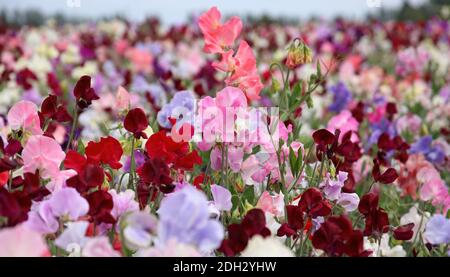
376, 219
30, 188
155, 172
136, 122
11, 209
24, 78
51, 110
161, 146
100, 206
388, 177
254, 223
90, 175
336, 237
83, 92
313, 204
107, 151
295, 222
187, 162
332, 235
404, 232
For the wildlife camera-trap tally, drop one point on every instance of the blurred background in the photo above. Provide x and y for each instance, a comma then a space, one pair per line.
32, 12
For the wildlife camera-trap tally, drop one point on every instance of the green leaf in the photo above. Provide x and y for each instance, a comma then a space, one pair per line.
249, 194
292, 161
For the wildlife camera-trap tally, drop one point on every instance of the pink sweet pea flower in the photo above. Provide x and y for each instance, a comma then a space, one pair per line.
99, 247
24, 114
42, 153
20, 241
123, 202
271, 204
345, 122
122, 99
222, 198
217, 36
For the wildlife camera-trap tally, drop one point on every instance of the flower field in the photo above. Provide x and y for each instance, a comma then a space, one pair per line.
222, 137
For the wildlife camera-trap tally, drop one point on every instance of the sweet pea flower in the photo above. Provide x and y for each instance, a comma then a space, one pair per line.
171, 249
20, 241
44, 154
140, 228
271, 204
24, 114
349, 201
99, 247
218, 36
345, 122
266, 247
184, 216
413, 216
122, 99
181, 108
65, 203
73, 237
222, 198
437, 230
123, 202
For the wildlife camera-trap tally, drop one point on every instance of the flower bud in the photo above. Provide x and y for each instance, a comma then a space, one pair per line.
298, 54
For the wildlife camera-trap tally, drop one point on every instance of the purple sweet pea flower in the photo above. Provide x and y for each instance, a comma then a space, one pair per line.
222, 198
341, 97
437, 230
139, 159
332, 188
184, 216
139, 230
349, 201
181, 107
75, 233
432, 153
68, 202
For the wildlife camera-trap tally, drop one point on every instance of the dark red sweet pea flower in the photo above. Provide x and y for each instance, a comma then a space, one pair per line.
253, 223
100, 206
107, 151
154, 176
404, 232
323, 137
376, 219
388, 177
53, 83
332, 235
295, 222
30, 189
136, 122
11, 209
84, 93
50, 109
24, 78
313, 204
354, 247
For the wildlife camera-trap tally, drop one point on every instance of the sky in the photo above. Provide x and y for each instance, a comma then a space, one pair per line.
177, 11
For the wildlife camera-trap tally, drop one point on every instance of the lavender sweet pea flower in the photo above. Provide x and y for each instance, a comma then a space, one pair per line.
68, 202
139, 230
181, 107
184, 216
341, 97
222, 198
349, 201
332, 188
74, 235
438, 230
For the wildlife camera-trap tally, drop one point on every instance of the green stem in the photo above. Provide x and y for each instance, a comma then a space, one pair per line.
72, 130
132, 165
